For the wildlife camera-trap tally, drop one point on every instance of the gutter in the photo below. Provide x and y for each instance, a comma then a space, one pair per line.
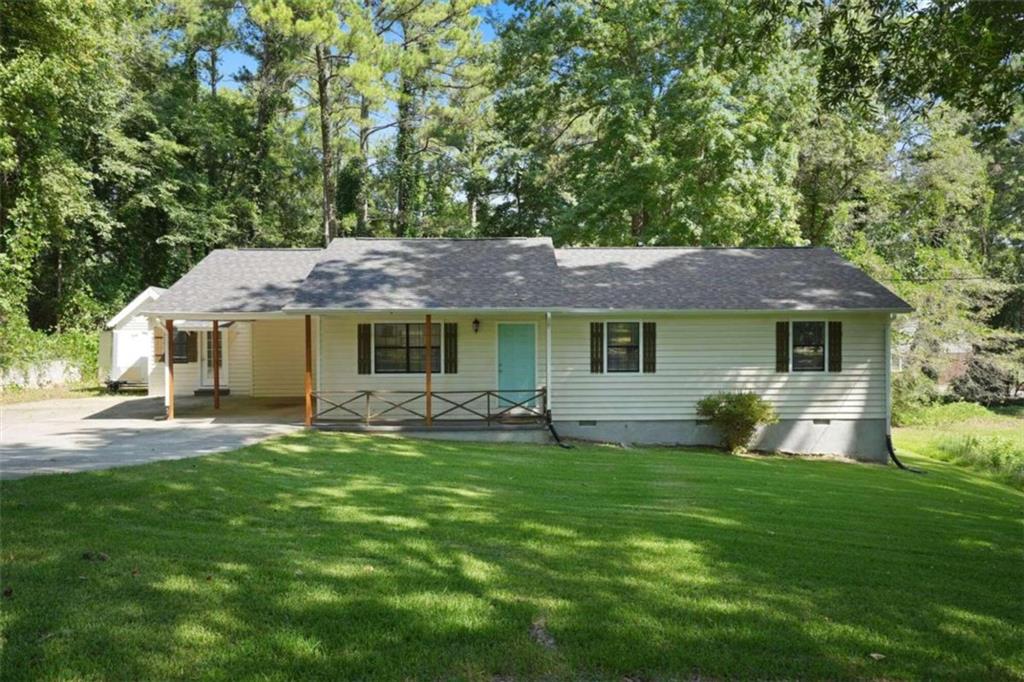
888, 400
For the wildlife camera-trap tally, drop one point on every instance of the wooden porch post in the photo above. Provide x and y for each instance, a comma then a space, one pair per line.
309, 371
169, 362
216, 365
427, 369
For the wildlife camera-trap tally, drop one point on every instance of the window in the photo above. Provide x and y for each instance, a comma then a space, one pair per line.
180, 346
400, 348
623, 339
809, 340
209, 350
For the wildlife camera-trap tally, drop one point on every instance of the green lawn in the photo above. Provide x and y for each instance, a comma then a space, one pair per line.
341, 556
971, 435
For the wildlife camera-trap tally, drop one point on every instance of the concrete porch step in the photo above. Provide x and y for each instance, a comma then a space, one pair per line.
206, 391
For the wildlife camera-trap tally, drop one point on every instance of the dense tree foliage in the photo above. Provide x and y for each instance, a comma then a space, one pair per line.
136, 136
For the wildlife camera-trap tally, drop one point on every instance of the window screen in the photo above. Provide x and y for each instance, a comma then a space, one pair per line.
808, 346
623, 346
400, 348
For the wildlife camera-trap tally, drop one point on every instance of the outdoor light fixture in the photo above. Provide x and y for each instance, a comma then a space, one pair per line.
476, 325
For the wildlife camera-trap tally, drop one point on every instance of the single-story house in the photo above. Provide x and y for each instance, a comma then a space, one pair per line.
609, 344
125, 345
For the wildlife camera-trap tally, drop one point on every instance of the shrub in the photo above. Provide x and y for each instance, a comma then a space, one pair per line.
912, 391
22, 347
737, 416
984, 382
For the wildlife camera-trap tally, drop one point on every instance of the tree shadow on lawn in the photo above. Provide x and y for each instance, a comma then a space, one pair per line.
340, 556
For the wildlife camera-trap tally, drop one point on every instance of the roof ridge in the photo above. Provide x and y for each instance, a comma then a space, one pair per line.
440, 239
273, 248
693, 248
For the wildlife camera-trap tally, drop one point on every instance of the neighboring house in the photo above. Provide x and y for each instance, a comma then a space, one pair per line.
612, 344
126, 344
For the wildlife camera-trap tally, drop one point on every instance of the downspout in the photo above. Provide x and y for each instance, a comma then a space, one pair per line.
888, 399
547, 359
547, 381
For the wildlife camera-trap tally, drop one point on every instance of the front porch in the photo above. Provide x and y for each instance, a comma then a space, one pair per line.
384, 408
372, 371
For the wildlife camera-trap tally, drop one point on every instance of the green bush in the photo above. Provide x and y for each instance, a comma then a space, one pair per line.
983, 382
737, 416
22, 347
912, 391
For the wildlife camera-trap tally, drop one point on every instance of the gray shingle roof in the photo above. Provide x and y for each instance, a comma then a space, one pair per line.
718, 279
393, 274
238, 281
433, 273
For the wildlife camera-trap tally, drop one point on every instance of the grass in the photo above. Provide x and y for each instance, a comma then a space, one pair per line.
14, 394
970, 435
330, 556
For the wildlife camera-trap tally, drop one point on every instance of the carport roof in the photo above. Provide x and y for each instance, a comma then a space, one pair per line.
238, 281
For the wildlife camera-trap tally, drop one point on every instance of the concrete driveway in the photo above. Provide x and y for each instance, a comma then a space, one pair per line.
56, 436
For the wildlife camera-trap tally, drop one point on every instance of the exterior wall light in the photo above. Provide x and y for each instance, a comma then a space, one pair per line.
476, 325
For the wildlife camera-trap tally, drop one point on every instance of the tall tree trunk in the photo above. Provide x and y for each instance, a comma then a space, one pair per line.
363, 198
212, 69
638, 221
323, 82
58, 303
405, 144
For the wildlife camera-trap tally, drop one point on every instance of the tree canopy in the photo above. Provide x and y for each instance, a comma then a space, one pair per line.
136, 136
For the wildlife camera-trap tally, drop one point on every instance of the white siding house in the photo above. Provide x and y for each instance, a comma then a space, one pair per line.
604, 344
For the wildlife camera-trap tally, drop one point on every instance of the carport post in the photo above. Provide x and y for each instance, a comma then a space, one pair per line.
169, 361
216, 365
309, 371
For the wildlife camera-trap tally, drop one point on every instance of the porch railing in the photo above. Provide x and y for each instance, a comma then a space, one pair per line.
377, 406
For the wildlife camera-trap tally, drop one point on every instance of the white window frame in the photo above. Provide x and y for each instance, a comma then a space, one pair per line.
640, 359
373, 350
792, 341
206, 350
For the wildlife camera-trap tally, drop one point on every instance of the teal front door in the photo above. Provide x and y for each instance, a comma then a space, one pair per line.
517, 363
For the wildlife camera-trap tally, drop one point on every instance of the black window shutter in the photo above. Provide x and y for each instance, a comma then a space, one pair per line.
158, 346
451, 348
363, 336
835, 346
782, 346
193, 347
596, 347
650, 347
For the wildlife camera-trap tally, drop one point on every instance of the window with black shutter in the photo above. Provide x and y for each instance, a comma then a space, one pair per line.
596, 347
650, 347
809, 346
364, 363
835, 346
623, 346
400, 348
451, 348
